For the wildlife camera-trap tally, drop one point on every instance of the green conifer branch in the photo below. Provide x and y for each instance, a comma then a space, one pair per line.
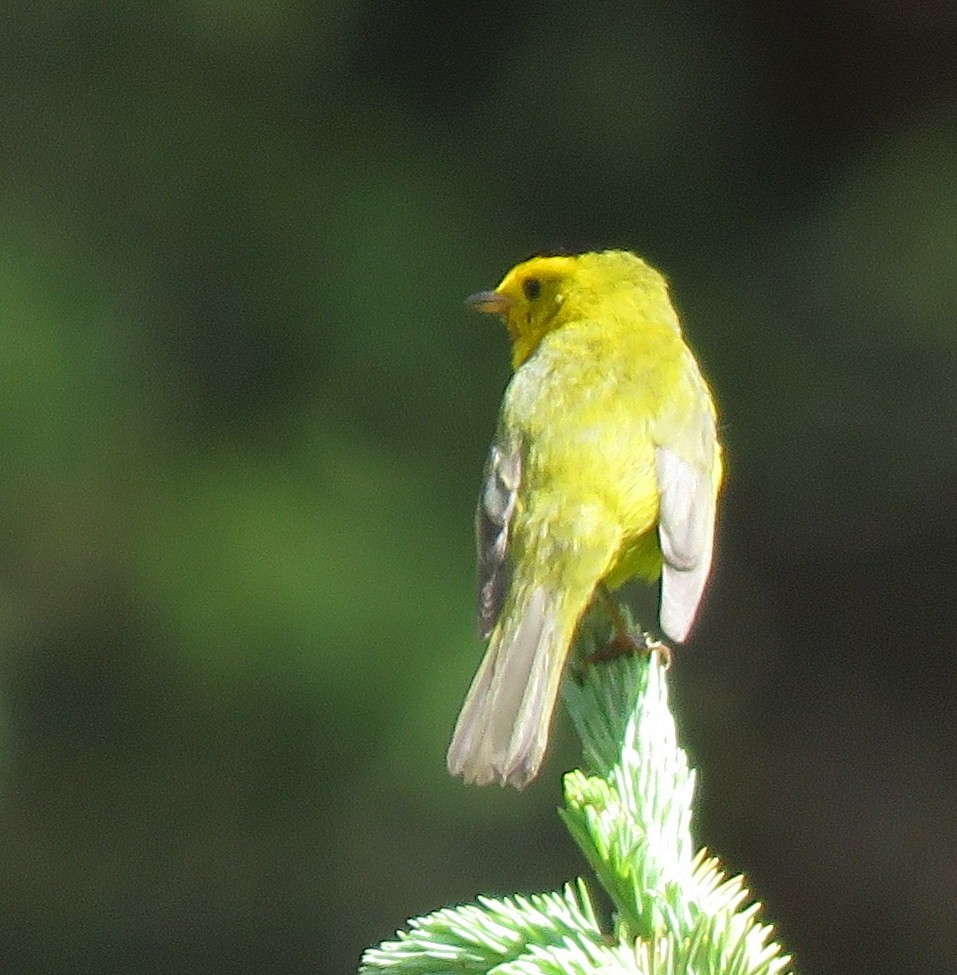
629, 811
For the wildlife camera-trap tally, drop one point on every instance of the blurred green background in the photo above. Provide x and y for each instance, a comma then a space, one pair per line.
243, 414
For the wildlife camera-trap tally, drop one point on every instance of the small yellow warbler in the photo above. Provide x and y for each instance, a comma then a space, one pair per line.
605, 466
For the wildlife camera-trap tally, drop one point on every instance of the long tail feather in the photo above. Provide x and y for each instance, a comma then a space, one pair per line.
502, 730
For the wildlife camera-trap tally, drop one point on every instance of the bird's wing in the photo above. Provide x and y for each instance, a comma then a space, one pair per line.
493, 516
687, 491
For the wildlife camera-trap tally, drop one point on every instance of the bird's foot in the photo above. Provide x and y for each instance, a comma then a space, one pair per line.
624, 642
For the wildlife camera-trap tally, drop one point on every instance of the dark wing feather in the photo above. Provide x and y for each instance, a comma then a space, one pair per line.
496, 505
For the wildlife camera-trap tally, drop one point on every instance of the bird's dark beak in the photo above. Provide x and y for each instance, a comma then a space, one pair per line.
490, 302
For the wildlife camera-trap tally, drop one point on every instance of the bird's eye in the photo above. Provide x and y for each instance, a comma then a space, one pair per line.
532, 288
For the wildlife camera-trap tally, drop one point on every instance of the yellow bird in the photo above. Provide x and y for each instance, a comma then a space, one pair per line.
605, 466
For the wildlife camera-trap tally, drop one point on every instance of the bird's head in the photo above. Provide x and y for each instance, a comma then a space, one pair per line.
544, 292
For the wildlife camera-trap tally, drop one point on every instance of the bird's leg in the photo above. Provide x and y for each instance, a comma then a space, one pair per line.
624, 639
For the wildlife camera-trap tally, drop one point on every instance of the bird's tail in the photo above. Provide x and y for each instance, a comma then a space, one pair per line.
502, 730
